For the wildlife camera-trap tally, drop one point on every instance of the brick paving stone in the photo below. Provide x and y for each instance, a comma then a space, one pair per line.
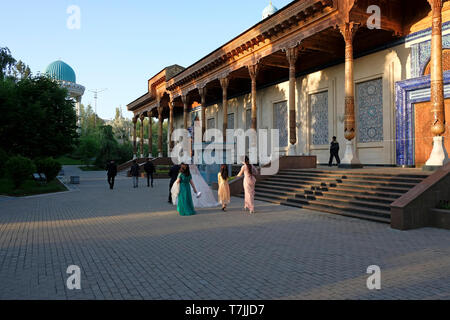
131, 244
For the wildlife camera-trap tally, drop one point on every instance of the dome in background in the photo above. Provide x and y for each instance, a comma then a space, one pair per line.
60, 70
268, 11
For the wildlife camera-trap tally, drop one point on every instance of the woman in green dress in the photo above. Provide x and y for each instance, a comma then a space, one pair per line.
185, 206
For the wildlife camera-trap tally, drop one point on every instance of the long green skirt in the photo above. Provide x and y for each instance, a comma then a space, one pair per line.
185, 206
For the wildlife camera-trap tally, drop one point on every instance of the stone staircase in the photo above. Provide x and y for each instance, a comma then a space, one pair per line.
360, 194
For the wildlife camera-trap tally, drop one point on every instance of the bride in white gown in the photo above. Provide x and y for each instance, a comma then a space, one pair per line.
206, 199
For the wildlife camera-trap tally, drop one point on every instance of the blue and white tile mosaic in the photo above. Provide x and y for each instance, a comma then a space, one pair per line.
369, 97
280, 121
319, 118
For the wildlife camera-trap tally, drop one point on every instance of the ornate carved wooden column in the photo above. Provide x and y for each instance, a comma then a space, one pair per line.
135, 118
141, 137
438, 155
160, 131
224, 82
292, 55
150, 134
253, 71
350, 159
170, 125
185, 111
202, 92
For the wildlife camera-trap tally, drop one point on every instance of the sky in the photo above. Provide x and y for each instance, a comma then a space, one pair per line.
122, 44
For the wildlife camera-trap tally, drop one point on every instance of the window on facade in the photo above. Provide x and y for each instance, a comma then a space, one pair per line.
369, 98
248, 119
319, 118
211, 124
280, 121
230, 121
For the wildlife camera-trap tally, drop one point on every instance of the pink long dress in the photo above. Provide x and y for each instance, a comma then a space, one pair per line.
249, 186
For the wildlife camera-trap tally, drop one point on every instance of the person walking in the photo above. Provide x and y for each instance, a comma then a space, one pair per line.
111, 169
249, 173
173, 174
185, 205
149, 170
334, 152
135, 170
224, 189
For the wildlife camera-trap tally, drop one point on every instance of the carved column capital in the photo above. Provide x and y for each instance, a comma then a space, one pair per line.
224, 82
135, 119
202, 92
436, 4
253, 70
348, 30
291, 55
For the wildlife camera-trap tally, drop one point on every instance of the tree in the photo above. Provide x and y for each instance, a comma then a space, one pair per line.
7, 62
109, 147
21, 71
38, 119
121, 126
88, 149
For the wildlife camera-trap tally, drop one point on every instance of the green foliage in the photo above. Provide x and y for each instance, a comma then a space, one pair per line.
38, 120
49, 166
7, 62
88, 149
125, 152
19, 169
109, 147
3, 159
90, 122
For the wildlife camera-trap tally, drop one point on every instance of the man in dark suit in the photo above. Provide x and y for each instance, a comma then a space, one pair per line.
173, 174
135, 171
111, 169
334, 152
149, 170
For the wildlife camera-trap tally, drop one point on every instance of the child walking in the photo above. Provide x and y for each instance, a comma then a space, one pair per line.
224, 188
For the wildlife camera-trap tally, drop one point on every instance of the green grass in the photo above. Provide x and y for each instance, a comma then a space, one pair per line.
91, 168
29, 188
66, 161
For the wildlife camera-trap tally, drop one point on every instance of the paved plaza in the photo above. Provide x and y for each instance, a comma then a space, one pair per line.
131, 244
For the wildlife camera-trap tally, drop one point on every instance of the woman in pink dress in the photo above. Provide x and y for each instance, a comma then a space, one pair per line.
249, 173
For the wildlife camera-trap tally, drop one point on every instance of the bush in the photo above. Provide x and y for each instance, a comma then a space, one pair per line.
19, 169
49, 166
3, 159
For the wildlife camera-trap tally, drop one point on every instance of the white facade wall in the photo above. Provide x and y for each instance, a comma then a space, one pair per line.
390, 65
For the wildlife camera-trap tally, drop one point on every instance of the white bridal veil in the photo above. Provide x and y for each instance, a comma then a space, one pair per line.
206, 200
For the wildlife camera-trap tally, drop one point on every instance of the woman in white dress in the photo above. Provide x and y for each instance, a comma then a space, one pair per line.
205, 197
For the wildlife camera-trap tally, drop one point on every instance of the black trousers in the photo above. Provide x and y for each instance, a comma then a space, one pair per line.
149, 178
334, 155
111, 181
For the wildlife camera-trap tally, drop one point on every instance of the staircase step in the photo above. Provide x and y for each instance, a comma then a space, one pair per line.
367, 194
346, 180
337, 185
351, 176
327, 209
415, 175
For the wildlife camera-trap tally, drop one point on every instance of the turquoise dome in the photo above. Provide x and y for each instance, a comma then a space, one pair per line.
60, 70
269, 10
